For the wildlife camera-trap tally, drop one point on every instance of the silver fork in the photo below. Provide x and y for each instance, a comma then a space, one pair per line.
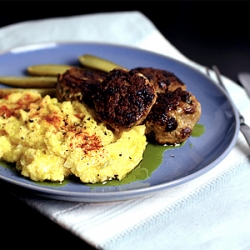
244, 128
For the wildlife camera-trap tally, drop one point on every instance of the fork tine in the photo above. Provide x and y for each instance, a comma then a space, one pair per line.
218, 75
217, 72
244, 128
207, 72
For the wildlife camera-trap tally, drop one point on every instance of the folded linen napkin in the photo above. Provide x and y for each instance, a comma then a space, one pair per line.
209, 212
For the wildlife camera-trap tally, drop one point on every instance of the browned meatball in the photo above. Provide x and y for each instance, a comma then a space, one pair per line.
163, 80
124, 99
79, 84
172, 117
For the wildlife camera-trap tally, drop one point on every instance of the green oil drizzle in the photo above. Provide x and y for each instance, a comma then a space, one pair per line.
7, 165
53, 184
198, 130
152, 159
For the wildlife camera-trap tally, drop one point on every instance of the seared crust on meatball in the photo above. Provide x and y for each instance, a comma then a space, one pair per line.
79, 84
163, 80
173, 117
124, 99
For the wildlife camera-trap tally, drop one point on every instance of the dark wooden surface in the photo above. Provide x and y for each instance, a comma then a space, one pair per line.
210, 33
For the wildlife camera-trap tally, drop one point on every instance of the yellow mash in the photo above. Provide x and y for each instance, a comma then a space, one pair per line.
49, 140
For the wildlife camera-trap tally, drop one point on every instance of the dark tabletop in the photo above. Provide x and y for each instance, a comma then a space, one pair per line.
209, 33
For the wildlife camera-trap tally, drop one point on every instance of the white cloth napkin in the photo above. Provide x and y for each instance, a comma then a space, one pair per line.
210, 212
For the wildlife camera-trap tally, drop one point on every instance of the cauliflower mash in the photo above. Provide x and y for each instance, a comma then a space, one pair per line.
49, 140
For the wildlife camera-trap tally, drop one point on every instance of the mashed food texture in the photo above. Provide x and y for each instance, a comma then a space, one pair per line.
50, 140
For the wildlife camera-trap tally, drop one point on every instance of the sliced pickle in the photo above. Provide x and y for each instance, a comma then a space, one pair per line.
29, 81
47, 69
43, 91
98, 63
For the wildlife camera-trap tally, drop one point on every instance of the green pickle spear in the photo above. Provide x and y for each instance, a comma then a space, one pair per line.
41, 91
47, 69
29, 81
45, 75
98, 63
